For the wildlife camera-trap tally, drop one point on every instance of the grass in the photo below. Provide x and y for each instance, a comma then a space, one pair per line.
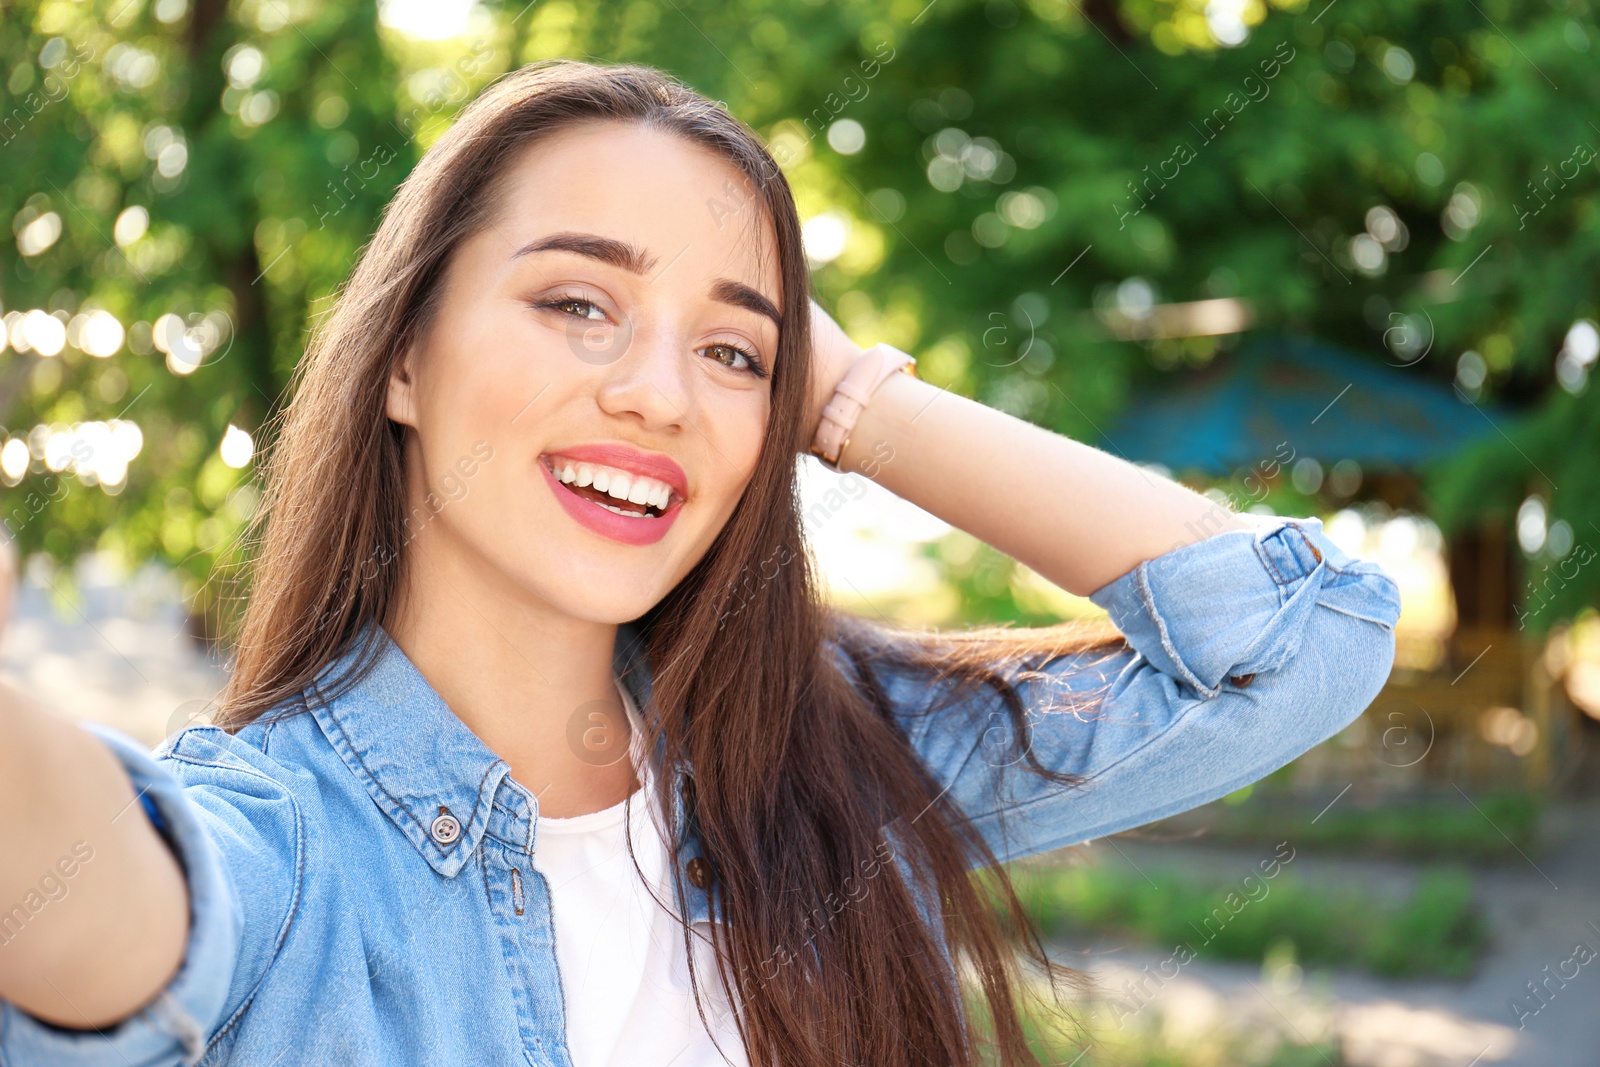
1087, 1033
1438, 931
1501, 823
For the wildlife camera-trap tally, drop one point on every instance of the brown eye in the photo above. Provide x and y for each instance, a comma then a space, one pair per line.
752, 362
567, 304
737, 353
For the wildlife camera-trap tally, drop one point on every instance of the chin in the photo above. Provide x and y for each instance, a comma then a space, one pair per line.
615, 609
594, 585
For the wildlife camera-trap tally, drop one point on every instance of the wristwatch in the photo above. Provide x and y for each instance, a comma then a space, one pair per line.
870, 370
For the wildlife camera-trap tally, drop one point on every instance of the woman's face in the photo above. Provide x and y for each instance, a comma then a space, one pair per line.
611, 323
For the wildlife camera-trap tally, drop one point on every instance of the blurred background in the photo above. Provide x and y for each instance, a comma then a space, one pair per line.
1332, 258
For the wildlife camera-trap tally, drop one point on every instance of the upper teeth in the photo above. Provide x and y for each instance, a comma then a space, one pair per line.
634, 488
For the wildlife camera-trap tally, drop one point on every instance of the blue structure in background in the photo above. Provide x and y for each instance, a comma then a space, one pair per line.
1323, 400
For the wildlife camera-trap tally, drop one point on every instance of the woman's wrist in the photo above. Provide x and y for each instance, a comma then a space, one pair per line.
886, 426
832, 355
870, 371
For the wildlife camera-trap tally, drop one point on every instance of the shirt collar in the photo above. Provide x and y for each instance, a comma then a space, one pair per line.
421, 763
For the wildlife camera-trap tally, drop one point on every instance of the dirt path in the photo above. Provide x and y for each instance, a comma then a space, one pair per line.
121, 657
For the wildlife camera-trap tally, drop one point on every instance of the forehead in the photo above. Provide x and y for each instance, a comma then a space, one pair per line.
692, 210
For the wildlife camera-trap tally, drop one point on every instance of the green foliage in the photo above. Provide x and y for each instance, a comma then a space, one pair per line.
1437, 931
1003, 191
215, 124
1503, 822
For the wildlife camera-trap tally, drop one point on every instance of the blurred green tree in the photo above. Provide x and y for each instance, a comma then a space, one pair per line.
1005, 187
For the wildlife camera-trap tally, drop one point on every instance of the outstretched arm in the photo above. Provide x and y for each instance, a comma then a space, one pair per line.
1075, 514
93, 906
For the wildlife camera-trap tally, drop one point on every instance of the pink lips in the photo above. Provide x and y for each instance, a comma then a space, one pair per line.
623, 528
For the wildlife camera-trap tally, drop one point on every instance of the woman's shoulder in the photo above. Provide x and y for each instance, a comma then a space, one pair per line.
278, 748
298, 774
275, 773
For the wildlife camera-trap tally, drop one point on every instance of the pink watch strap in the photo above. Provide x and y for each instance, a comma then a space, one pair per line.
870, 370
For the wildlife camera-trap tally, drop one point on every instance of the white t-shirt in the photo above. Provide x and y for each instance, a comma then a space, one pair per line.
623, 969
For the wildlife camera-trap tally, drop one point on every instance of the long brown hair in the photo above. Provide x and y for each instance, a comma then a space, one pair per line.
798, 763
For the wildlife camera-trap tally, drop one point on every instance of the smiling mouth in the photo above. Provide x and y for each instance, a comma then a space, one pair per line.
615, 490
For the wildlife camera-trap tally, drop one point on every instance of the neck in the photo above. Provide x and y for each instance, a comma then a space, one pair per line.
536, 685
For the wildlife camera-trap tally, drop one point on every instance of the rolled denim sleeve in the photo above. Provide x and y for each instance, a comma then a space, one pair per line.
1244, 650
1239, 602
223, 948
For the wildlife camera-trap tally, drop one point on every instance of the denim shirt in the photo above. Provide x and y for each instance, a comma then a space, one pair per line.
350, 868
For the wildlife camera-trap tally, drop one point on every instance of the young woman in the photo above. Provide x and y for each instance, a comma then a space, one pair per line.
539, 746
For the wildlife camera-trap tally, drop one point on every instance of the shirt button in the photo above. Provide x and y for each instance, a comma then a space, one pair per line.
446, 828
1242, 680
699, 872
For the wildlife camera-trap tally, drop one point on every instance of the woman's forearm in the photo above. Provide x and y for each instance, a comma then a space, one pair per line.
93, 907
1078, 516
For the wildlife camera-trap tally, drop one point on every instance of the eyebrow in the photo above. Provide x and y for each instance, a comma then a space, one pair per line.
745, 297
632, 258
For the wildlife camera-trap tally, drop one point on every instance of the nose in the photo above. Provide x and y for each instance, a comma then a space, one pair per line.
648, 378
